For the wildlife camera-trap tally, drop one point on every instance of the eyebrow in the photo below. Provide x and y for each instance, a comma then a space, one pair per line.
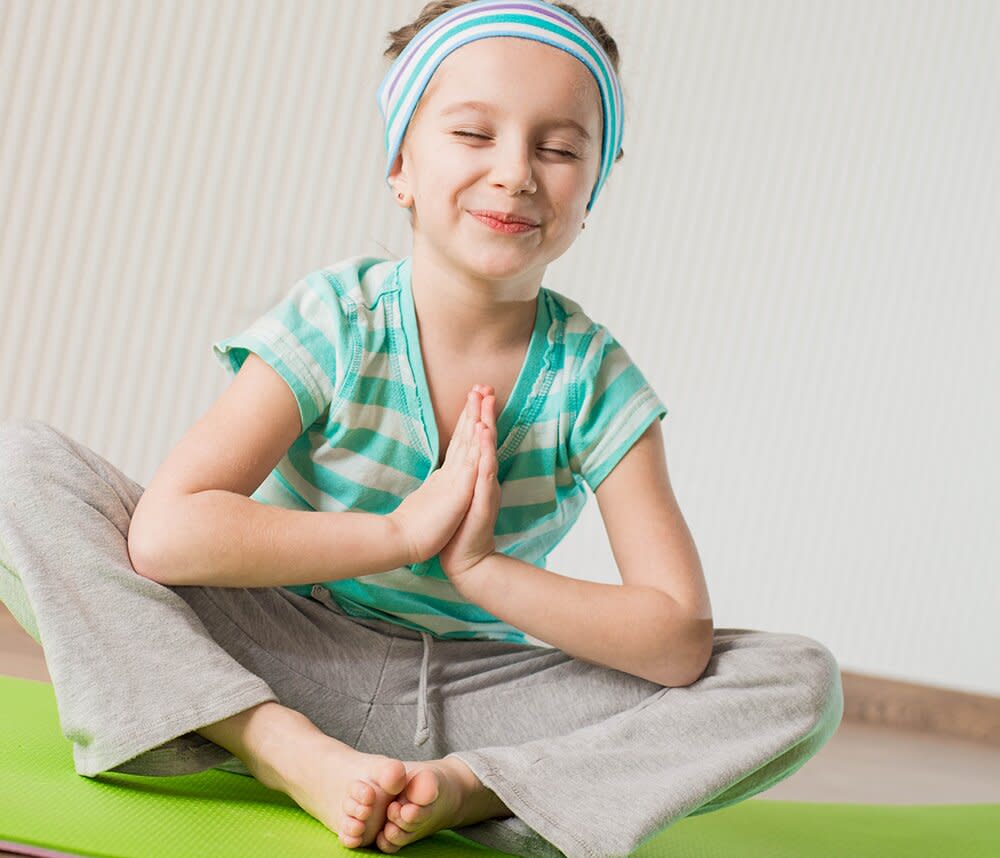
485, 107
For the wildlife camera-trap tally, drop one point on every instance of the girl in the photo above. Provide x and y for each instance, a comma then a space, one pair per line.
402, 446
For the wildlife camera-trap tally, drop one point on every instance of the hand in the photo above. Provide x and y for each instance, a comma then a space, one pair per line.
473, 540
428, 516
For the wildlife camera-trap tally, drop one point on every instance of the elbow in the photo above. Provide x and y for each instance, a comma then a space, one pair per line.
141, 565
678, 678
146, 561
694, 658
689, 677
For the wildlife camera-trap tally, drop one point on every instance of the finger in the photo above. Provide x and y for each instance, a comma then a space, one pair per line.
483, 390
488, 409
487, 461
489, 475
460, 436
468, 440
474, 412
481, 430
480, 495
491, 446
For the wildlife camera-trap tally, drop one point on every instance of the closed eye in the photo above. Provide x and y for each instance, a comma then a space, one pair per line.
484, 137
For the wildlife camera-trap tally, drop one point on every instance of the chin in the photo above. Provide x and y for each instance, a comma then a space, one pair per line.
499, 263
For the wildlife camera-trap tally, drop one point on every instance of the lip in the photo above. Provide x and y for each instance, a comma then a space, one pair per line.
503, 217
513, 228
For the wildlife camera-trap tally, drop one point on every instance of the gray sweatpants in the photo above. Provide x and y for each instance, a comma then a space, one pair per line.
591, 760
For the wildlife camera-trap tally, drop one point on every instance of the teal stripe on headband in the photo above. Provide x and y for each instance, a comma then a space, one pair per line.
409, 75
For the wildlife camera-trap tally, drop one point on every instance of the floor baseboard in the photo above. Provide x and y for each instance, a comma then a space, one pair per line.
925, 708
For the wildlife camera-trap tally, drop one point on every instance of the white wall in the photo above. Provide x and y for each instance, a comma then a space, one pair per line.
802, 238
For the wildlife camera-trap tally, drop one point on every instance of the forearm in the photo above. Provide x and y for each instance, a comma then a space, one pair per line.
224, 539
638, 630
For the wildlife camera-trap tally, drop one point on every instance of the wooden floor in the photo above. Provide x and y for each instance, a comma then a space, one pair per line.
861, 763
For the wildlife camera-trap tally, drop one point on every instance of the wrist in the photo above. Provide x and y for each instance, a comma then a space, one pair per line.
406, 551
472, 581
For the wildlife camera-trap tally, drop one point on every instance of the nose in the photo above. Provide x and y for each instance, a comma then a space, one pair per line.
512, 167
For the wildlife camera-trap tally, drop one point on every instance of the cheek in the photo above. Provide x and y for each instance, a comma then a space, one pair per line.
446, 171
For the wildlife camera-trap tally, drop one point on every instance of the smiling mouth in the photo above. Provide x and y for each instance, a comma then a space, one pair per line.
496, 225
505, 217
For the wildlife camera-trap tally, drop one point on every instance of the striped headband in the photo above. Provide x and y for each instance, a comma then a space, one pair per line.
409, 75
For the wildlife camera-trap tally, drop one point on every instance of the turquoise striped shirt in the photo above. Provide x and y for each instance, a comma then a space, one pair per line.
345, 340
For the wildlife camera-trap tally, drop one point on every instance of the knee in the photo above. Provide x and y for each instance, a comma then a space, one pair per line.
25, 441
22, 432
819, 672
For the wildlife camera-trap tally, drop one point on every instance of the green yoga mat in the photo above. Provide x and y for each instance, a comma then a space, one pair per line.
47, 809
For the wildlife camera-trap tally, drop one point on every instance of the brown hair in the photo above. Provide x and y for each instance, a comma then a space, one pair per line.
399, 39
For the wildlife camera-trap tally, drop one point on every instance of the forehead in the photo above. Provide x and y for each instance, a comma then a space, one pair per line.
520, 76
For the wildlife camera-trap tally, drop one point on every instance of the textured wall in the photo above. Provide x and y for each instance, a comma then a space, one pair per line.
799, 249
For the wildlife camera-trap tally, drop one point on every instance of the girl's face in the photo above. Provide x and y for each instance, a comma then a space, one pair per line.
521, 153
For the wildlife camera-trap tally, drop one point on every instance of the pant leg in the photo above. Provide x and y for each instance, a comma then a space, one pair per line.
137, 666
594, 761
588, 734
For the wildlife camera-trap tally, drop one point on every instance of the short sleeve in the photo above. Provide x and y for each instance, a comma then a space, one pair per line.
612, 405
303, 338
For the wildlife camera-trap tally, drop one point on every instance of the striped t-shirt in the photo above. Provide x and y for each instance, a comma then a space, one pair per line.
345, 340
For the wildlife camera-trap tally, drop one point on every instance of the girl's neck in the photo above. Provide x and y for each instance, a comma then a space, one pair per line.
463, 313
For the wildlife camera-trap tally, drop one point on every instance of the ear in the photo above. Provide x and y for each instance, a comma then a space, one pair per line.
397, 175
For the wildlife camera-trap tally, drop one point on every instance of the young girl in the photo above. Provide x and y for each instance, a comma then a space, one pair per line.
443, 415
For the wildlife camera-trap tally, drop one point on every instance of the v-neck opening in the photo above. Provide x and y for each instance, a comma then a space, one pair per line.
516, 403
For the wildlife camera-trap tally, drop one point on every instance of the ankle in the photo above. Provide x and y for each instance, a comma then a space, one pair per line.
481, 802
270, 739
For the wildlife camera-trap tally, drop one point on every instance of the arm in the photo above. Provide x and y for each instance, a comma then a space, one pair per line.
195, 523
224, 539
657, 625
638, 630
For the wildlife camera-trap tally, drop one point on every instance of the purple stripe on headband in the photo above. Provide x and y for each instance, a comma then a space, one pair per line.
474, 9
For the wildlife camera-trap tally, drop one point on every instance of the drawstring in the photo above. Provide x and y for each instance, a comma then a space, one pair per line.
423, 731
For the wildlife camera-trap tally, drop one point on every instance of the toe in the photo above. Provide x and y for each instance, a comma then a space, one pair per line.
350, 807
395, 835
399, 816
352, 827
422, 788
384, 844
391, 776
362, 792
416, 815
350, 842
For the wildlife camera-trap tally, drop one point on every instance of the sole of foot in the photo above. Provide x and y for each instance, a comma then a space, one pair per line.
349, 791
438, 795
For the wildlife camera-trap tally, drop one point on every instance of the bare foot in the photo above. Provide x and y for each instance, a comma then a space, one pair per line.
348, 790
439, 794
